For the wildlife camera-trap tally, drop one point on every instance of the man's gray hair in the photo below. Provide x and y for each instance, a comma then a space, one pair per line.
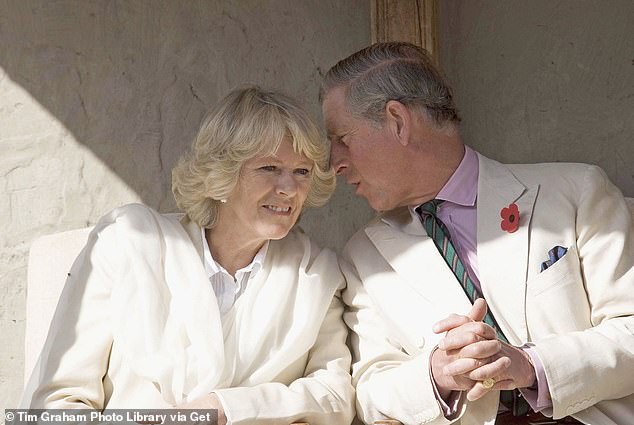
392, 71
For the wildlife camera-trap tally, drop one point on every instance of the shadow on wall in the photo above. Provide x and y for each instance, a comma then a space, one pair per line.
132, 80
125, 79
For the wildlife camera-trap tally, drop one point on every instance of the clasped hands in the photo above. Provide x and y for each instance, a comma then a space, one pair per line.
470, 353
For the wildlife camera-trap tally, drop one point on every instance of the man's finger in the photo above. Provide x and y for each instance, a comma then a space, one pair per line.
451, 322
495, 368
463, 366
481, 350
466, 334
478, 311
478, 391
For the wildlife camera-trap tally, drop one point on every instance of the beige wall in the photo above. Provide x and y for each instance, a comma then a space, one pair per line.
545, 80
99, 98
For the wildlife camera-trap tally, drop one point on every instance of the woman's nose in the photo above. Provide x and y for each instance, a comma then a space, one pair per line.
286, 184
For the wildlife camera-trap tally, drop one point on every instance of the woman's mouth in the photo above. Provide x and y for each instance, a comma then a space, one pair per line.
278, 210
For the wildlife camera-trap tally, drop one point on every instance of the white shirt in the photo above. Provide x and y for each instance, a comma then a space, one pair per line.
226, 288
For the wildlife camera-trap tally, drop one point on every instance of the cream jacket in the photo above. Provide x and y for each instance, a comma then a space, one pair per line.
578, 313
138, 326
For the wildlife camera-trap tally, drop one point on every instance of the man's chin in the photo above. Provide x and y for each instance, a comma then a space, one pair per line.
379, 205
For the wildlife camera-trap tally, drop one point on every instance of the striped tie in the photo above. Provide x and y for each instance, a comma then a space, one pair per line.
437, 231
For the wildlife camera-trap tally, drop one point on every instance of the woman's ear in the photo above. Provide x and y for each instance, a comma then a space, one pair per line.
398, 118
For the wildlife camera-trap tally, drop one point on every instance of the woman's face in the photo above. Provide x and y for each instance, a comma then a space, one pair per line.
269, 195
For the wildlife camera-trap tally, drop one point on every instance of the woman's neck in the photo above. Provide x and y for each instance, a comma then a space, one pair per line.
230, 250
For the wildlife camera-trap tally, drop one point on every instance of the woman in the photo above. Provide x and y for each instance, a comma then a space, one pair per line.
226, 308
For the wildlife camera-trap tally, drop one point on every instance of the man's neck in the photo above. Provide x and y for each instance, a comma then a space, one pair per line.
439, 154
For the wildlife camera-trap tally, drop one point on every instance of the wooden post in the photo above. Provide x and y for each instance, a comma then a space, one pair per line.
415, 21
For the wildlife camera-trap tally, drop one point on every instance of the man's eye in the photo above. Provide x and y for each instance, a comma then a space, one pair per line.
336, 140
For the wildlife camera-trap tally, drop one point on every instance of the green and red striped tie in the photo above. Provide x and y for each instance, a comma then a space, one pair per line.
438, 233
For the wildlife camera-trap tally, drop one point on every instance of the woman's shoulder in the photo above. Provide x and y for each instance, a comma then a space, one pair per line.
297, 240
133, 221
299, 245
131, 212
137, 216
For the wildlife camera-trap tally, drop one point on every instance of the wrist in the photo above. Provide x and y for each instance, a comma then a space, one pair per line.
531, 374
437, 364
222, 418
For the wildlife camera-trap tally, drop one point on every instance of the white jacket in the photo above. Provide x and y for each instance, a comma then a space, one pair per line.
579, 312
138, 326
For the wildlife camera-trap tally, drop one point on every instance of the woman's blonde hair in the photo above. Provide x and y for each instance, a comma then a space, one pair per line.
247, 123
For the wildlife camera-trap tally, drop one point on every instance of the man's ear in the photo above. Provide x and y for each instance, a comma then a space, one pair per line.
399, 121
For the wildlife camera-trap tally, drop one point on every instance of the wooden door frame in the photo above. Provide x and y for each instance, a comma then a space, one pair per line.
415, 21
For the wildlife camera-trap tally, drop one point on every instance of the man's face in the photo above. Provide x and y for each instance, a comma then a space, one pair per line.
365, 153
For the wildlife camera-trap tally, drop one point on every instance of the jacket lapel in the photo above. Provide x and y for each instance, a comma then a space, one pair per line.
502, 256
412, 254
194, 233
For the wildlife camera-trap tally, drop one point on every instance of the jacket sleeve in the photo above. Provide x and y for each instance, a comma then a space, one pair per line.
390, 383
323, 396
74, 360
603, 354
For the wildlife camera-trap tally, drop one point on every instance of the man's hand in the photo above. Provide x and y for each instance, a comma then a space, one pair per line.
470, 353
209, 401
469, 344
511, 368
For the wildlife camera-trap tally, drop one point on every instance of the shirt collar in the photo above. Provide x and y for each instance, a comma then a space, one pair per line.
212, 267
462, 186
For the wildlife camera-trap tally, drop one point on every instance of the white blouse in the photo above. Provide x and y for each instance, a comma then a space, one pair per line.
227, 288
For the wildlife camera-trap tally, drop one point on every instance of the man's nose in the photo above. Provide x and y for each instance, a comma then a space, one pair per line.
338, 158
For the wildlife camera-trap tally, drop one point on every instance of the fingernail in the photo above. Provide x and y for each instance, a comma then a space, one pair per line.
435, 328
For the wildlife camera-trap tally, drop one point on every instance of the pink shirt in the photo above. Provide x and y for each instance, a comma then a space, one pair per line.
459, 215
458, 212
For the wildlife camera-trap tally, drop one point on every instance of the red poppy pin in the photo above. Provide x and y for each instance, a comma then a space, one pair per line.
510, 218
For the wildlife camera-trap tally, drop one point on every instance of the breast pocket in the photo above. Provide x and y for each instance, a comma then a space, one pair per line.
556, 300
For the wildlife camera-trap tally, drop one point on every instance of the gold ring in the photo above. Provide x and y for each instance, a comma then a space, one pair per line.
488, 383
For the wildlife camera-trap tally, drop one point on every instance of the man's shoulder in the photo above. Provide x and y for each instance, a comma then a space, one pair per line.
566, 178
392, 220
360, 237
553, 175
539, 168
549, 168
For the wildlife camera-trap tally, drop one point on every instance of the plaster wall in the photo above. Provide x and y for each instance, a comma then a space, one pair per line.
544, 80
98, 99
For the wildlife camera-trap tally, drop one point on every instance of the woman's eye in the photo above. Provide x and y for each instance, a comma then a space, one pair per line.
269, 168
302, 171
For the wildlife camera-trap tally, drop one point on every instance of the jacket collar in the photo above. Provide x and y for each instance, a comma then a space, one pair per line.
502, 256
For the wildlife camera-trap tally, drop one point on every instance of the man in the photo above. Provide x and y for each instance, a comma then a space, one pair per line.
550, 247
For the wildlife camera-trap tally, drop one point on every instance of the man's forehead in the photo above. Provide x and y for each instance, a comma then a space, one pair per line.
336, 94
333, 108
